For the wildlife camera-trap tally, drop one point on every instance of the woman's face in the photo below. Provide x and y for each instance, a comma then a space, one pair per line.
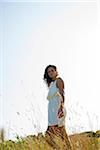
52, 72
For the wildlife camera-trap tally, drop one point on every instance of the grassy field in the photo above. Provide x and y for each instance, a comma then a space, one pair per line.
83, 141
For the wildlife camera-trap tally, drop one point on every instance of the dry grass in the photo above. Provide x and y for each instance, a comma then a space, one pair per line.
82, 141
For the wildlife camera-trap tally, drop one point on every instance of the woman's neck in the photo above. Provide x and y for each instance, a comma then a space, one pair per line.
53, 79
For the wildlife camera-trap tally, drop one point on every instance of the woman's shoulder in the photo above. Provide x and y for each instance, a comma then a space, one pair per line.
59, 82
59, 79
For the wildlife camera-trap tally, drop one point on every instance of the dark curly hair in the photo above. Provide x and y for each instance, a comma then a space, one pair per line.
46, 76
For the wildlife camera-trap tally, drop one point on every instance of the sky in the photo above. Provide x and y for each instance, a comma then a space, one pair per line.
34, 35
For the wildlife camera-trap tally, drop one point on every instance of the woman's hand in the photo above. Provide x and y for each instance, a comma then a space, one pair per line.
60, 112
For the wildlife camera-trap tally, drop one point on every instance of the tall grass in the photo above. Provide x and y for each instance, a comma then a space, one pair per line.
82, 141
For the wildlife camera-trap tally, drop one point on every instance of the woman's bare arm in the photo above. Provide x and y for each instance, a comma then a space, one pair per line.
60, 85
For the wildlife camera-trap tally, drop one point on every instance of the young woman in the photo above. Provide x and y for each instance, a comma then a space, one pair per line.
55, 97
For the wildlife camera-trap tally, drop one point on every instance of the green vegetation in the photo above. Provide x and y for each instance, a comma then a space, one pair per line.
83, 141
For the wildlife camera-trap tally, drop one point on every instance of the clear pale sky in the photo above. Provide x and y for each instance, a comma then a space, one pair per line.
34, 35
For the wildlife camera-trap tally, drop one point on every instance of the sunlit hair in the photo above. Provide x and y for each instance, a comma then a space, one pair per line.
46, 76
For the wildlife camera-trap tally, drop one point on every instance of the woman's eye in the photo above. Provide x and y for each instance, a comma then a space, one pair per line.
50, 71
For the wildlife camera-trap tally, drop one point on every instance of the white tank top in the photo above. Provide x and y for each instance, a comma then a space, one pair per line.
54, 97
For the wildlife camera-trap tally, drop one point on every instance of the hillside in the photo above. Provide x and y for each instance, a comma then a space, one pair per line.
82, 141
